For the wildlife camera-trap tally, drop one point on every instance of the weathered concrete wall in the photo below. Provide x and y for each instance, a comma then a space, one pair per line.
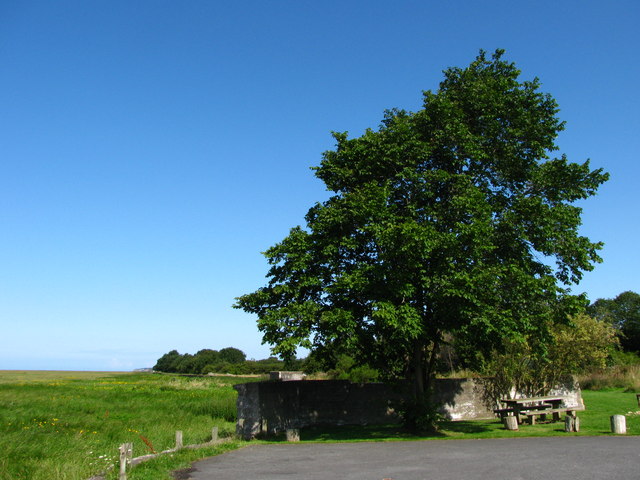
462, 399
272, 407
285, 376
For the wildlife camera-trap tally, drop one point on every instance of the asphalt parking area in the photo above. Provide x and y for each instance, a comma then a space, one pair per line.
558, 458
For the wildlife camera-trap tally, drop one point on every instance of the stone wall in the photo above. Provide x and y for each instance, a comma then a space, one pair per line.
272, 407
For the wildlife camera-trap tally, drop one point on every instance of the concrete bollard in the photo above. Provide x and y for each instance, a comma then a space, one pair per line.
619, 424
293, 435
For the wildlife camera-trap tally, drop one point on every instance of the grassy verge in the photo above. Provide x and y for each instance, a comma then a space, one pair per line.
68, 425
162, 467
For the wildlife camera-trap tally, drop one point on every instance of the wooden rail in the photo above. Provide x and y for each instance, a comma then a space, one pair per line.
127, 460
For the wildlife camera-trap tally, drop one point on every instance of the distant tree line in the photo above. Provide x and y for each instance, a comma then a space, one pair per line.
227, 360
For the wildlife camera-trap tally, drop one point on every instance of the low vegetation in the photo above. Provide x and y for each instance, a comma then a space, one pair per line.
68, 425
626, 377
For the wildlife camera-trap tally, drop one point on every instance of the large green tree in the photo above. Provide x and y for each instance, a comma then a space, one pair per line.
623, 312
450, 220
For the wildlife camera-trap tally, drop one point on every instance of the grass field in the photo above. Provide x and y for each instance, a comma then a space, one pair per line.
68, 425
594, 420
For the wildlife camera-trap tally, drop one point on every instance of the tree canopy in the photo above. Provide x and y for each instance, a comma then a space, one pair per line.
623, 312
227, 360
450, 220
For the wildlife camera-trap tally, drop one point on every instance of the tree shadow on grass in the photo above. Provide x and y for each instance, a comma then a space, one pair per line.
393, 432
468, 427
381, 433
369, 433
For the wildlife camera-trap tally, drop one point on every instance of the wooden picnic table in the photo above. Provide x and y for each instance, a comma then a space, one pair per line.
532, 406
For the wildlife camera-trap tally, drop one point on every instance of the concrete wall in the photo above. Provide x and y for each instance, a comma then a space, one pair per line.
272, 407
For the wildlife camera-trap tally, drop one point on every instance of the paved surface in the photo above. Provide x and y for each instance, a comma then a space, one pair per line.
555, 458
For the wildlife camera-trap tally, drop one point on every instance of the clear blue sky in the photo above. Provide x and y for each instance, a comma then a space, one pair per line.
150, 150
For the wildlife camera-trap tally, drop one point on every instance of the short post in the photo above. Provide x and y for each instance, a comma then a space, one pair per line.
126, 453
179, 444
571, 424
619, 424
293, 435
638, 398
510, 422
214, 434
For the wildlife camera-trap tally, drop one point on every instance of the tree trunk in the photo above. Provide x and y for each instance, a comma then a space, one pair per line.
418, 371
430, 373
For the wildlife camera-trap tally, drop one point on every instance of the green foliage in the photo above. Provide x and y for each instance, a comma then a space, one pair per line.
346, 368
534, 367
624, 313
620, 358
582, 345
442, 222
206, 357
232, 355
227, 360
168, 362
420, 415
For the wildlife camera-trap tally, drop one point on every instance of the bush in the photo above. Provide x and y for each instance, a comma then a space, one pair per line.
347, 368
535, 367
621, 358
420, 415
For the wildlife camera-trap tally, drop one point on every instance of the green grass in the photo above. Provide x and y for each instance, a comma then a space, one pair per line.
68, 425
594, 420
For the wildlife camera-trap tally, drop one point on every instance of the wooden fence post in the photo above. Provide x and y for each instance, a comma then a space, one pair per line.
571, 424
126, 453
179, 443
510, 422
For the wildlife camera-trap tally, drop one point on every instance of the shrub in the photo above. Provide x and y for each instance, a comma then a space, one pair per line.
347, 368
420, 415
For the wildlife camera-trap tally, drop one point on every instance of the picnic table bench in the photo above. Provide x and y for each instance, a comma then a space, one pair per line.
531, 407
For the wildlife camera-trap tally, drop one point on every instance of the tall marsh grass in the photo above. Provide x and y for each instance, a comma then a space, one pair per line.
626, 377
68, 426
